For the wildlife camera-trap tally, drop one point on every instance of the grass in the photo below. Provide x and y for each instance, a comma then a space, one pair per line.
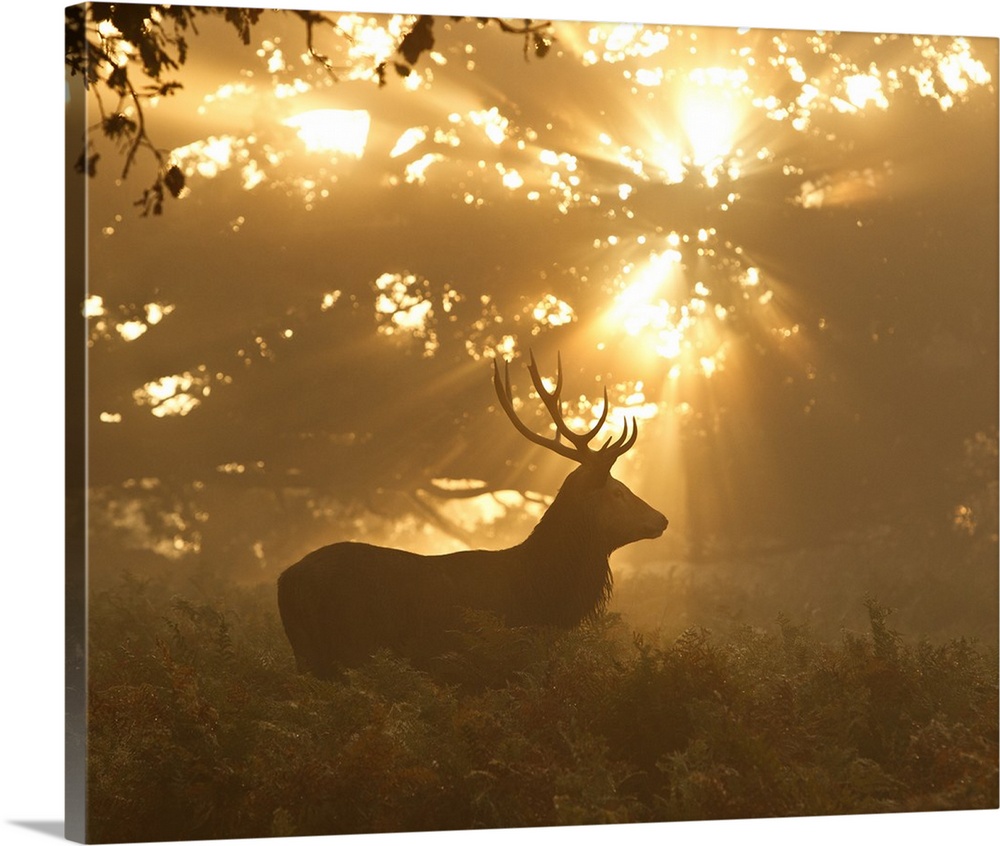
201, 728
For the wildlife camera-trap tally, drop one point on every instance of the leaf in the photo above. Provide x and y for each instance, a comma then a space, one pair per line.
164, 90
174, 181
542, 46
116, 125
152, 199
118, 79
242, 20
153, 58
418, 40
87, 164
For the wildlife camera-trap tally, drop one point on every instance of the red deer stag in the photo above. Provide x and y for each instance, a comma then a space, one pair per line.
343, 602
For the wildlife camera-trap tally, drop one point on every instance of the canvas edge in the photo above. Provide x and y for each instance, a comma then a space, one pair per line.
75, 467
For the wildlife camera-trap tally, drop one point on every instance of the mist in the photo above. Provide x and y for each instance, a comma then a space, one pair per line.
775, 250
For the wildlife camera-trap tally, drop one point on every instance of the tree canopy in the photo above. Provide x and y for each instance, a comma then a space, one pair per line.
775, 249
109, 44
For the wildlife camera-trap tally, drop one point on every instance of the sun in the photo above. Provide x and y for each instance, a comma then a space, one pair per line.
710, 119
712, 111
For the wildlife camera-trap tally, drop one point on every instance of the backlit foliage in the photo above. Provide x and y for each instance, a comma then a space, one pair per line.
201, 728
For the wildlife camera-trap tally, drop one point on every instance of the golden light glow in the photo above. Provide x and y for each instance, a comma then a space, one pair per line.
404, 309
472, 513
552, 311
371, 42
959, 69
641, 304
131, 329
608, 42
954, 67
711, 112
169, 396
416, 171
408, 140
493, 124
209, 157
333, 130
93, 306
861, 89
843, 188
447, 484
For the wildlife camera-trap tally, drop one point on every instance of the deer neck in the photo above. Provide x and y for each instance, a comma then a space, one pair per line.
564, 531
564, 567
572, 524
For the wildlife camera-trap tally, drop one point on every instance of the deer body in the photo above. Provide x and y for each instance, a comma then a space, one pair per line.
342, 602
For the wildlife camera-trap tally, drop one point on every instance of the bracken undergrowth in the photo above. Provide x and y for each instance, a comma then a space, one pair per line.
199, 726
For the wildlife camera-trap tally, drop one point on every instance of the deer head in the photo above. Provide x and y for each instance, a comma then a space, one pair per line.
594, 499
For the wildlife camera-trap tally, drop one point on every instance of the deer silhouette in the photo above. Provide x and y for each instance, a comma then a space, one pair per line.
343, 602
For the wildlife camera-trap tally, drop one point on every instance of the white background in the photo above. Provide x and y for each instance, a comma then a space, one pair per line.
31, 285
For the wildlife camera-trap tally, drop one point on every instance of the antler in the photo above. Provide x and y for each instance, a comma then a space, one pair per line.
579, 442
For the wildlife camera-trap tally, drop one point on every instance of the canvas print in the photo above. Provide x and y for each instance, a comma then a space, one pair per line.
480, 422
